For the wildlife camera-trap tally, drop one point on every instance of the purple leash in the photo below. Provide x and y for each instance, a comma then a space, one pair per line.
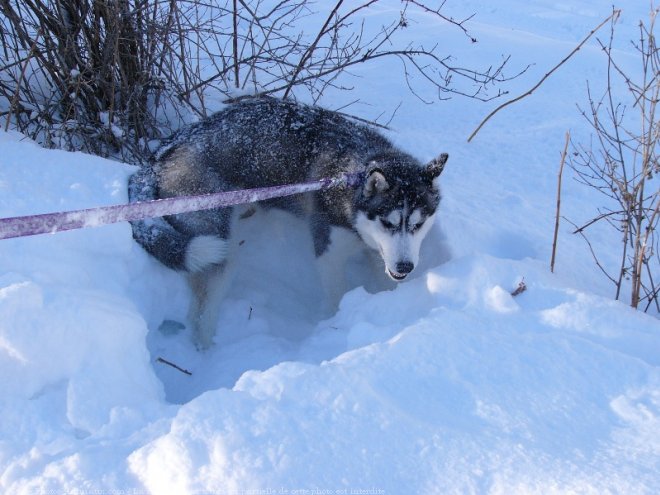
50, 223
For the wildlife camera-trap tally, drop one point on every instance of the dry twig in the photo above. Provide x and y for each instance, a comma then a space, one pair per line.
557, 213
614, 17
176, 367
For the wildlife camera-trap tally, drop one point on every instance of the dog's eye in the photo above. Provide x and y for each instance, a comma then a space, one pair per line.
387, 224
416, 227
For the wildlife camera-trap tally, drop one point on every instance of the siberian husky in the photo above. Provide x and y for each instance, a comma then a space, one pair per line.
259, 142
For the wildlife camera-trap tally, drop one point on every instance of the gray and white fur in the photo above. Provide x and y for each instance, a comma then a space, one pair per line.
261, 142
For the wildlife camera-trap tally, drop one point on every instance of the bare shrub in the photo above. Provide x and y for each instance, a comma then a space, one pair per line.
622, 164
107, 76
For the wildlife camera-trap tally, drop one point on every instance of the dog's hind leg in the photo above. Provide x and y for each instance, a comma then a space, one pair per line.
204, 260
209, 287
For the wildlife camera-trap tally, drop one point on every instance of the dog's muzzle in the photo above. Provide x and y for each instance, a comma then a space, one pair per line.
403, 268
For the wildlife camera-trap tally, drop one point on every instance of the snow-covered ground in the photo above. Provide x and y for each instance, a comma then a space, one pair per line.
447, 384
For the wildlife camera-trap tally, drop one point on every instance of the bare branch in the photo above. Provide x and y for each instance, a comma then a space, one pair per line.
111, 77
614, 16
310, 50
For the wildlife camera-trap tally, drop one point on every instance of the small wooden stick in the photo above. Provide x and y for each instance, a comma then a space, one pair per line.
169, 363
561, 170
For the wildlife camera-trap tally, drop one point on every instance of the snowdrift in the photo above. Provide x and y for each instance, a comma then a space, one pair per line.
446, 384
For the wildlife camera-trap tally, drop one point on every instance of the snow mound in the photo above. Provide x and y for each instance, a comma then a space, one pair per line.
445, 384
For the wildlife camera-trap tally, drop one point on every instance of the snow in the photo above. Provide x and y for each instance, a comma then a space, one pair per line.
446, 384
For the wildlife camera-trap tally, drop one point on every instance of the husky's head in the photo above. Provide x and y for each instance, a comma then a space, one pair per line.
397, 207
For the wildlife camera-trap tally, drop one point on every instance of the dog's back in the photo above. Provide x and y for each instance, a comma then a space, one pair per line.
259, 142
256, 142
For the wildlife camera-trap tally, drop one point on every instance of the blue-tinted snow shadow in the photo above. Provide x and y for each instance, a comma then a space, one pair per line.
275, 309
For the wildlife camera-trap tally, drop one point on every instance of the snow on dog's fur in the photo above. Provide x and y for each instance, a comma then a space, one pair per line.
261, 142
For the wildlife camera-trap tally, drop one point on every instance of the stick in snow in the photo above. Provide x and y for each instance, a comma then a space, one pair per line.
176, 367
556, 233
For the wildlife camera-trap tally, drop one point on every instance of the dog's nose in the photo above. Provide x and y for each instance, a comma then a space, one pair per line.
405, 267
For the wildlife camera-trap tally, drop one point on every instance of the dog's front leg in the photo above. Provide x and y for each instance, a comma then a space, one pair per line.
341, 245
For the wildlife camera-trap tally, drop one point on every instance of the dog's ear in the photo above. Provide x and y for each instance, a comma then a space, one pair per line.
376, 183
435, 167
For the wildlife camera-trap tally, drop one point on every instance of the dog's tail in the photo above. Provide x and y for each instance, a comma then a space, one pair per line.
175, 249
